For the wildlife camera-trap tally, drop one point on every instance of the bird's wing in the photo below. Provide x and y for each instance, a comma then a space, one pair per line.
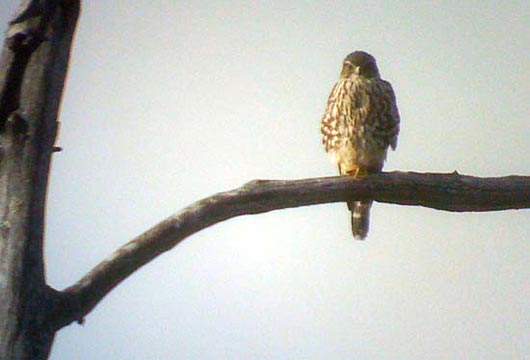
392, 118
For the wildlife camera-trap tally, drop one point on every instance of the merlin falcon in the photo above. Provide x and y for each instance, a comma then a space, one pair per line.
360, 123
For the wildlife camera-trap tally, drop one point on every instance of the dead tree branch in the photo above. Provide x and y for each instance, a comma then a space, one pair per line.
33, 66
450, 192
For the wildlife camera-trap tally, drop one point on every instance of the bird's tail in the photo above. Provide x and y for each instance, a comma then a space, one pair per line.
360, 218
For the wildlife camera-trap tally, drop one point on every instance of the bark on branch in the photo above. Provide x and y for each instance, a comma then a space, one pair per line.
33, 65
450, 192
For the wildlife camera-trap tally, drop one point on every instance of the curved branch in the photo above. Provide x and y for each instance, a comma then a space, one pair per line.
450, 192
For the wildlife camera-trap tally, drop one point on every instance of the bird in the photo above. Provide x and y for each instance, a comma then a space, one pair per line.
360, 122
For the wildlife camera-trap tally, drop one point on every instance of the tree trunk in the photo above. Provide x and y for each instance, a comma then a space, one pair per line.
33, 63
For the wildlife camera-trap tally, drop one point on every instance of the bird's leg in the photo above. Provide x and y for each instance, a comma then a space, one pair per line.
360, 172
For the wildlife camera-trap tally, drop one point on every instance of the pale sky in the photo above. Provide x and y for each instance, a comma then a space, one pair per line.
168, 102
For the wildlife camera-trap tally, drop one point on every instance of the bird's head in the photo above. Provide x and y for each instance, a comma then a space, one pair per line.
359, 63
